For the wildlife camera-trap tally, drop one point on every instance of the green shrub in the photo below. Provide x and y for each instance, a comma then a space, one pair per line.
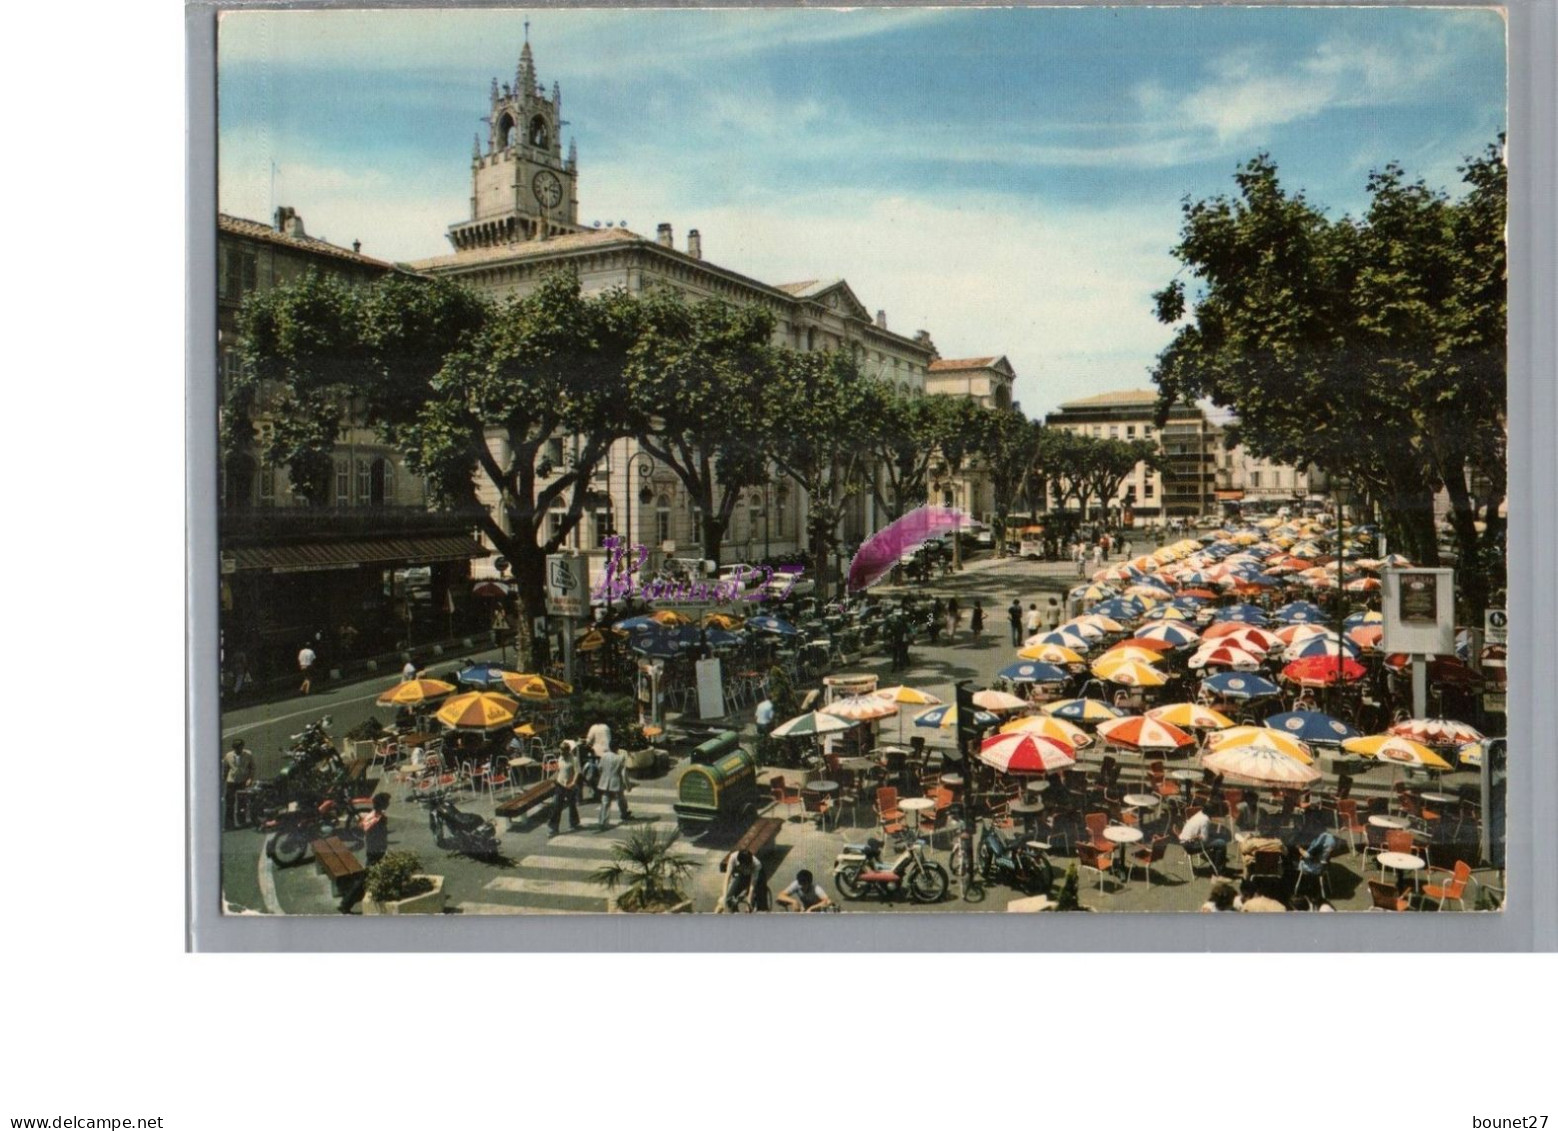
1068, 900
366, 731
395, 878
619, 712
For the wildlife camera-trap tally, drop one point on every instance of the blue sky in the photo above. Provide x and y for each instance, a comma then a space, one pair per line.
1009, 179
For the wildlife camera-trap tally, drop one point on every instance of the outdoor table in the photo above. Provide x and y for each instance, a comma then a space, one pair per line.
952, 781
1142, 801
1401, 862
916, 806
1381, 821
822, 785
1036, 785
1189, 777
1121, 835
1028, 811
1441, 798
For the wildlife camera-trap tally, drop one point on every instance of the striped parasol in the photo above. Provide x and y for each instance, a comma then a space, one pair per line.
1267, 736
1397, 750
478, 710
861, 708
1049, 727
1138, 732
1026, 753
415, 693
810, 725
1261, 764
1082, 710
1190, 715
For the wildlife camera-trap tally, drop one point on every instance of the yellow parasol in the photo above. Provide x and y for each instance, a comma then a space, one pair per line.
415, 693
1236, 737
535, 688
1397, 750
1050, 727
478, 710
1190, 715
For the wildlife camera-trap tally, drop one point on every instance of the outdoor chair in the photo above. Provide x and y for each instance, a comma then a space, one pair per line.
1266, 864
1348, 821
1451, 886
1192, 854
816, 806
1400, 840
787, 795
1386, 898
1090, 856
888, 815
1145, 856
1096, 823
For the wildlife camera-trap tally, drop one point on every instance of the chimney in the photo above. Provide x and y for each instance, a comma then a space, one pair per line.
663, 235
881, 319
357, 247
288, 222
694, 243
922, 337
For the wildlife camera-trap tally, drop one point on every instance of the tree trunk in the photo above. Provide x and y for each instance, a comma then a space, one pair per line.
712, 536
529, 566
1471, 568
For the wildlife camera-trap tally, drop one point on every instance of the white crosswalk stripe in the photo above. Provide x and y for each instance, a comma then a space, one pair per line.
552, 881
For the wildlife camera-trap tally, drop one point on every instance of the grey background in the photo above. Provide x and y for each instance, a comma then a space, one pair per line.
1529, 923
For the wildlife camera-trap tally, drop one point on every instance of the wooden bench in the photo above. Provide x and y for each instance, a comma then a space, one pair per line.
759, 835
336, 861
520, 804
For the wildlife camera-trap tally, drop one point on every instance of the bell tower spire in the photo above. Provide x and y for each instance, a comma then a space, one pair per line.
522, 187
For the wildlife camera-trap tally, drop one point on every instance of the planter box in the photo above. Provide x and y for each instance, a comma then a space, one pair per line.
428, 903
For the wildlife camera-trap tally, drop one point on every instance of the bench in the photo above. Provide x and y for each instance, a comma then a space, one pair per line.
336, 861
759, 835
520, 804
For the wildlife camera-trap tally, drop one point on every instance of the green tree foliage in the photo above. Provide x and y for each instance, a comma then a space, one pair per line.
906, 436
1373, 348
698, 375
1007, 444
824, 439
1105, 464
468, 392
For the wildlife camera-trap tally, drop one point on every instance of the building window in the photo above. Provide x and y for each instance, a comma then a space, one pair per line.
343, 483
554, 452
267, 485
1114, 431
237, 272
602, 525
364, 480
1254, 479
1130, 431
554, 523
1147, 491
662, 520
780, 501
1146, 430
381, 487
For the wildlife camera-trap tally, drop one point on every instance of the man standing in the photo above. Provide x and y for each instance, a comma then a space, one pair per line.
1052, 614
1080, 556
306, 658
763, 716
613, 784
409, 672
567, 793
238, 774
599, 737
1032, 623
1014, 618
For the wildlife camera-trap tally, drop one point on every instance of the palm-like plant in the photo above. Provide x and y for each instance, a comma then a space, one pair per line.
647, 868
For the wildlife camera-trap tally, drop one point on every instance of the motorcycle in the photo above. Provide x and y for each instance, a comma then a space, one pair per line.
295, 828
467, 833
313, 773
858, 870
1014, 862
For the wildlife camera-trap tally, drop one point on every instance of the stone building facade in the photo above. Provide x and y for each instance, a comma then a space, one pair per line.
987, 381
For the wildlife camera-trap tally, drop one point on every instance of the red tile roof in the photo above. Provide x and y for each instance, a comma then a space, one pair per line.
254, 230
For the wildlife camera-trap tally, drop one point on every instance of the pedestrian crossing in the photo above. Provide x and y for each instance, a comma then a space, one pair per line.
554, 879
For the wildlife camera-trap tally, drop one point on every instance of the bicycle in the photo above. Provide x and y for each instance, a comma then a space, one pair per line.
965, 869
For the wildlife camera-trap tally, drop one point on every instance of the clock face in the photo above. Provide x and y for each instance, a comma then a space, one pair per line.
548, 189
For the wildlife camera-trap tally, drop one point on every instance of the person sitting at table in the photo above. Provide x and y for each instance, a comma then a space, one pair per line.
1248, 815
805, 894
1198, 834
1313, 857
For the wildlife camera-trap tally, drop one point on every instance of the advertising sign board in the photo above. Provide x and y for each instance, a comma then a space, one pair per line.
567, 586
1419, 611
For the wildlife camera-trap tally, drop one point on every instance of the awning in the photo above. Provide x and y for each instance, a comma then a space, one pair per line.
307, 557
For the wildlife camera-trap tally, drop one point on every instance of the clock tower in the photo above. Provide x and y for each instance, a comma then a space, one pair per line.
522, 188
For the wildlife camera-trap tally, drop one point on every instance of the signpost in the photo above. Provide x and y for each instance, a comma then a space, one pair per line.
1419, 619
567, 596
1495, 626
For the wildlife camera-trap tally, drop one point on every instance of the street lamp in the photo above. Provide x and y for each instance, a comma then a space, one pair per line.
645, 494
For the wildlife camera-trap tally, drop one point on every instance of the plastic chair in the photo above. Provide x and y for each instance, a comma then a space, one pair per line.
888, 815
1452, 887
787, 795
1386, 898
1145, 856
1092, 857
815, 805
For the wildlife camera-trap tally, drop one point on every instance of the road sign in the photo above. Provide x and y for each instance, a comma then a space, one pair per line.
567, 585
1495, 626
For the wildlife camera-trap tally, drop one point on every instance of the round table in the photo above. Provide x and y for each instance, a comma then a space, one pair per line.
822, 785
1121, 835
1381, 821
1028, 811
952, 781
916, 806
1440, 798
1036, 785
1401, 862
1188, 777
